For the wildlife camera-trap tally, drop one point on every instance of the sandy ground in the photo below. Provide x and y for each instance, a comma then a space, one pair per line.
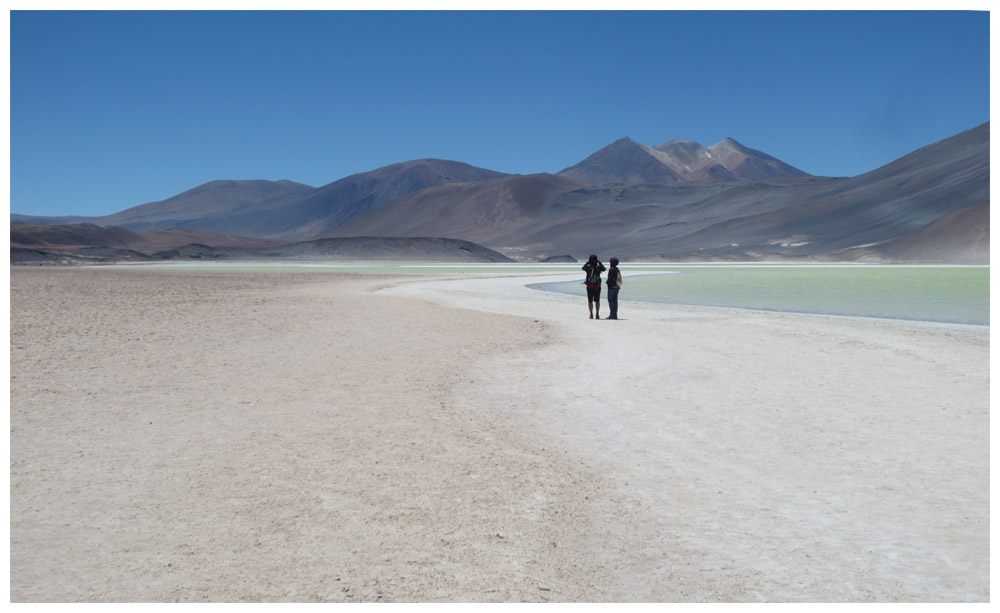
276, 436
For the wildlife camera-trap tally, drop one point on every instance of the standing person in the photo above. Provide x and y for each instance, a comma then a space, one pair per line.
593, 268
614, 284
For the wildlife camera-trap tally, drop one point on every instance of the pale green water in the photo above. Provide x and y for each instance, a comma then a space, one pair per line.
926, 293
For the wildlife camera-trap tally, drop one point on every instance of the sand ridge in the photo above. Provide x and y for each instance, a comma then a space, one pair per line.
274, 436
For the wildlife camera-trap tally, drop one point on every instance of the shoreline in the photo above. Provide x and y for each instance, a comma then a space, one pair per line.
736, 380
244, 436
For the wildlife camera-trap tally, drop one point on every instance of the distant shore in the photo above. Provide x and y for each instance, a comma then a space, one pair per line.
254, 435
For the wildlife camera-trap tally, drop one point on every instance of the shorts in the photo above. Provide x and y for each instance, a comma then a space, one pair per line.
593, 293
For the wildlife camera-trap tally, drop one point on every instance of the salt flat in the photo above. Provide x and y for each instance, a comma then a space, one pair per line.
194, 435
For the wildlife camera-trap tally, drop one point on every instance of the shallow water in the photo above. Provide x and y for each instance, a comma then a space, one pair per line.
950, 294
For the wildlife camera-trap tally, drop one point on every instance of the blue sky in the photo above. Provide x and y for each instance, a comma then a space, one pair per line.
114, 109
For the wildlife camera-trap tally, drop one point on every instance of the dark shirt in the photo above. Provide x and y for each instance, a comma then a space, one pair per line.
613, 278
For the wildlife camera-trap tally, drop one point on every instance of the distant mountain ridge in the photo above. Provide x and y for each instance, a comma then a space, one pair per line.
789, 217
334, 204
83, 234
215, 198
285, 210
677, 200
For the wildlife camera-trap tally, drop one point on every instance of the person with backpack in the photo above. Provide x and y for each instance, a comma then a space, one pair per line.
593, 268
614, 284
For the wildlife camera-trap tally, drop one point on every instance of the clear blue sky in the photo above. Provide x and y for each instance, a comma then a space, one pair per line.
114, 109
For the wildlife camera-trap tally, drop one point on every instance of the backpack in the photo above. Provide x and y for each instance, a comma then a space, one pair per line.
593, 274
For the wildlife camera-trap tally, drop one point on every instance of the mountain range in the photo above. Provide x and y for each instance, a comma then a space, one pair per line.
675, 201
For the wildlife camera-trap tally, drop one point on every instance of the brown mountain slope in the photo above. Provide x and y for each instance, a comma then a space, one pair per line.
892, 201
727, 160
679, 161
960, 237
623, 161
471, 211
211, 199
307, 215
792, 217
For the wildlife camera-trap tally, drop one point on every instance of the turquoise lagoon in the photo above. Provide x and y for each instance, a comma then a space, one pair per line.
950, 294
